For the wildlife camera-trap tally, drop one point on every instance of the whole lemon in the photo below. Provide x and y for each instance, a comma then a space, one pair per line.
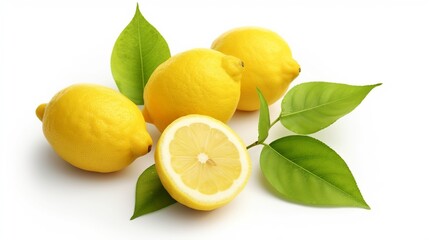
94, 128
268, 62
198, 81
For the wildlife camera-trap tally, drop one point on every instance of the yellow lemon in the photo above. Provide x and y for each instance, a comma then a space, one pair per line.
94, 128
268, 62
201, 162
198, 81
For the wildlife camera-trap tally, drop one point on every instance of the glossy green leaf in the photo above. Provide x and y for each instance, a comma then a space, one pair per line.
139, 49
312, 106
264, 118
150, 194
305, 170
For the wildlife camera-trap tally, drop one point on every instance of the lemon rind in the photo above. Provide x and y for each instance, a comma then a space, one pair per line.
174, 179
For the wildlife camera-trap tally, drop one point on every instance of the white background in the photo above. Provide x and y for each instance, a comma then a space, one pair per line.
47, 45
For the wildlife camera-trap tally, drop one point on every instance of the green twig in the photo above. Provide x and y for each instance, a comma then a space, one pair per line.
252, 145
275, 121
257, 142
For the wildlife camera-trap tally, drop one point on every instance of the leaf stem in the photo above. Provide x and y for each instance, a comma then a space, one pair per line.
252, 145
275, 121
257, 142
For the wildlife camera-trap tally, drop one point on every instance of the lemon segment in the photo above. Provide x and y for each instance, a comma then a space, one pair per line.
201, 162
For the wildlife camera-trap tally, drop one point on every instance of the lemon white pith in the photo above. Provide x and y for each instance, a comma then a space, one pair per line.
201, 162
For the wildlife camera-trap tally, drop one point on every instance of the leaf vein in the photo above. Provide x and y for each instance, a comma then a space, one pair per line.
314, 175
318, 106
141, 53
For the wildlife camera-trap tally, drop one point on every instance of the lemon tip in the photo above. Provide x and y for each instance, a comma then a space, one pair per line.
40, 111
233, 66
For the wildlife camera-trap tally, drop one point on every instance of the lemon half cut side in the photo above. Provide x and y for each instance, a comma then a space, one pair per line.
201, 162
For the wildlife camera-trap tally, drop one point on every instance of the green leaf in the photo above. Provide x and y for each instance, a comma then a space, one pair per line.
312, 106
264, 118
150, 194
304, 170
139, 49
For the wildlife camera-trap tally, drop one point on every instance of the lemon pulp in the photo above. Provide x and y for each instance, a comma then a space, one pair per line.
204, 158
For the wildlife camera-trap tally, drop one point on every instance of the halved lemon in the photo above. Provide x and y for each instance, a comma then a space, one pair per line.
201, 162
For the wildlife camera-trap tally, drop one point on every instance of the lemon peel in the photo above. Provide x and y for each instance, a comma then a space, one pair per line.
197, 81
268, 61
94, 128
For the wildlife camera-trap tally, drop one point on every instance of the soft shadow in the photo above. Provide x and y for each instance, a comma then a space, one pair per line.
153, 132
241, 119
180, 211
178, 217
50, 167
